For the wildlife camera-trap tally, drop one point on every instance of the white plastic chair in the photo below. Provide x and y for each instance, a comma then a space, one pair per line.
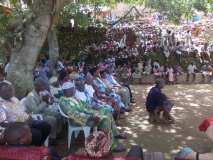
75, 129
40, 117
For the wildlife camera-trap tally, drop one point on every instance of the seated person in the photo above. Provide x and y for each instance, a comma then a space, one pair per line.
116, 87
121, 86
11, 110
84, 97
157, 102
99, 103
105, 92
85, 116
18, 137
39, 102
189, 154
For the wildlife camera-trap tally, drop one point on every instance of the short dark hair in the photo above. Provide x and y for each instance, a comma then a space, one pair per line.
14, 132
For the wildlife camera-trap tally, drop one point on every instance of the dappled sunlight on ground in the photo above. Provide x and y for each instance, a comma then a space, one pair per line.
193, 103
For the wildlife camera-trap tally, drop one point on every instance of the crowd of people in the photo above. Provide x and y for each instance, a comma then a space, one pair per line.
145, 49
88, 96
92, 95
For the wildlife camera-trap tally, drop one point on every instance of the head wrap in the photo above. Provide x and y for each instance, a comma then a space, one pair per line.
68, 85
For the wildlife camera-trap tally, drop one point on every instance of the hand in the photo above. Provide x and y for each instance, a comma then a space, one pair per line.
45, 99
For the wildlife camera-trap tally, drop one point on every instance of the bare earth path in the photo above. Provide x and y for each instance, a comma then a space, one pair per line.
193, 103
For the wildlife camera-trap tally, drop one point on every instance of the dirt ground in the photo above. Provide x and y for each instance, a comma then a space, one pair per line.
193, 103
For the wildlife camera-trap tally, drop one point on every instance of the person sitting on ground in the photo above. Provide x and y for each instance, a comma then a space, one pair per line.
39, 101
188, 154
11, 110
85, 116
18, 136
157, 102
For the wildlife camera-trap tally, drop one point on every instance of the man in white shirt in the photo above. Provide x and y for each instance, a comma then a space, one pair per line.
192, 68
11, 110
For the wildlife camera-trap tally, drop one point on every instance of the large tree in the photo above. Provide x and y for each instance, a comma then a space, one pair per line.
33, 31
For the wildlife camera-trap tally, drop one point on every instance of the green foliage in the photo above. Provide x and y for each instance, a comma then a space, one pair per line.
72, 11
71, 42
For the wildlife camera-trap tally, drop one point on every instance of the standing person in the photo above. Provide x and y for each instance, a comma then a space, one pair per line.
171, 75
192, 68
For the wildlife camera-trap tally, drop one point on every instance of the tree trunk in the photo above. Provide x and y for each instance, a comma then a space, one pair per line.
53, 49
22, 62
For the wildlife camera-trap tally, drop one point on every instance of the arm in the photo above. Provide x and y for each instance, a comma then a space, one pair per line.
73, 113
33, 107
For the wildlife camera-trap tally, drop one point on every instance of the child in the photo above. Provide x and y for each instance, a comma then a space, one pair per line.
171, 76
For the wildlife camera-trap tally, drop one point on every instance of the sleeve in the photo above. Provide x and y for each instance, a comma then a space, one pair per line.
3, 115
32, 106
73, 113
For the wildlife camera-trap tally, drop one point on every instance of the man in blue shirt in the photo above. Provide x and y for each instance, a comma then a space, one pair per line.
157, 102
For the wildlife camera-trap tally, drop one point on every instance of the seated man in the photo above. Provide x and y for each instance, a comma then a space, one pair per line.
157, 102
83, 115
18, 138
39, 102
11, 110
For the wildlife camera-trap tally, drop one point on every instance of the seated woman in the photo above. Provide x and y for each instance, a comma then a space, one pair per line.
188, 154
18, 138
83, 115
105, 92
82, 95
11, 110
157, 102
117, 88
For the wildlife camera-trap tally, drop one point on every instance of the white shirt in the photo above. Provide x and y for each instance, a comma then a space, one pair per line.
80, 96
191, 69
12, 111
90, 90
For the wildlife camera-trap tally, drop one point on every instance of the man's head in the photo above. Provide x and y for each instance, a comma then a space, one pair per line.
103, 74
40, 85
160, 83
6, 90
18, 134
89, 78
68, 89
